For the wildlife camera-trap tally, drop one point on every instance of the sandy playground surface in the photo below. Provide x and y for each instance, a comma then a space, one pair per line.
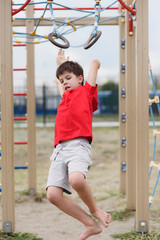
49, 223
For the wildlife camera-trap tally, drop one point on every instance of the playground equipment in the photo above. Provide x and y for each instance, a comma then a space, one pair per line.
133, 102
59, 24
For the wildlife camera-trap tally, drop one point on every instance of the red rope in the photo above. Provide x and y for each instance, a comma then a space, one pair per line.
87, 8
128, 8
21, 8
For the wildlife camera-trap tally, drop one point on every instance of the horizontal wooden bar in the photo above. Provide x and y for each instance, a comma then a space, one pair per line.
81, 22
19, 143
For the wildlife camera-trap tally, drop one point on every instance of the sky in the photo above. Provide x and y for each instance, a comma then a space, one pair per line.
106, 49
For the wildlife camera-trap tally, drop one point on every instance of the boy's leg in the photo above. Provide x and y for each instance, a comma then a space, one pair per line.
55, 196
79, 183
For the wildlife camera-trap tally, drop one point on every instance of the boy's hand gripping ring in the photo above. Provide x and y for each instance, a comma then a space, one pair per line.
92, 39
52, 36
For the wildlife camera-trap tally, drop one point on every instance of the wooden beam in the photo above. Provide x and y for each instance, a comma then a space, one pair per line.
6, 74
31, 109
131, 115
122, 107
142, 156
82, 22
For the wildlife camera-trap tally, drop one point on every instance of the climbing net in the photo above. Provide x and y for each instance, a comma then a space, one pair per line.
60, 29
153, 164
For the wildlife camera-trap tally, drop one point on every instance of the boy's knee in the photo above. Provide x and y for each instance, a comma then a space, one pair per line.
76, 180
53, 196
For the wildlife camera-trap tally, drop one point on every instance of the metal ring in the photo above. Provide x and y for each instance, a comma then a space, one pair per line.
92, 40
50, 37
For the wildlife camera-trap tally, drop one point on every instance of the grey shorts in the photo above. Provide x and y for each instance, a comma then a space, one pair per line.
68, 157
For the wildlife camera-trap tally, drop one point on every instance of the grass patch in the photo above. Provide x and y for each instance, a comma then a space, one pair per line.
23, 192
39, 196
18, 236
122, 215
133, 235
109, 195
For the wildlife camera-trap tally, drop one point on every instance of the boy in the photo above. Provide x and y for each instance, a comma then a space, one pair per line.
73, 136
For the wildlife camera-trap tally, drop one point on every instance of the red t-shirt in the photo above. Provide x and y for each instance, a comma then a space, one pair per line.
74, 113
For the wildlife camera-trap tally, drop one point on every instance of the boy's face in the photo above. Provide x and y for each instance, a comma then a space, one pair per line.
70, 81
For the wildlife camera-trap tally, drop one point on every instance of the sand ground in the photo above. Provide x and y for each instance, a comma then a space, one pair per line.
49, 223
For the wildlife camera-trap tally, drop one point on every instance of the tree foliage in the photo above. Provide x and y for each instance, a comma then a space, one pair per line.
109, 85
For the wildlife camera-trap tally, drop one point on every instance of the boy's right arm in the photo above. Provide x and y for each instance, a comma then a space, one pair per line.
93, 71
60, 59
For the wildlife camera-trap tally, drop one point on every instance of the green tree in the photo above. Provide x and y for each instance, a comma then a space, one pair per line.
109, 85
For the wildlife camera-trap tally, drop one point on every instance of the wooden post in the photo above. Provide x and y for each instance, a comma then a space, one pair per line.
122, 106
142, 157
31, 108
130, 114
7, 142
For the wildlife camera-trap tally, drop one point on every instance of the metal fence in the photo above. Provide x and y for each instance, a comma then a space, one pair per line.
48, 99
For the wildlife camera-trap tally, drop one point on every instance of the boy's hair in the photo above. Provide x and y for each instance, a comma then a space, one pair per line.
71, 67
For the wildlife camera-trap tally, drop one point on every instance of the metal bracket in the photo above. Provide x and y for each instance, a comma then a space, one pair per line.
123, 67
124, 166
123, 117
123, 43
8, 227
123, 142
143, 226
123, 92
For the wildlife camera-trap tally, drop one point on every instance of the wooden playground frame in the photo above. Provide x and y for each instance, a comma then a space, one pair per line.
133, 102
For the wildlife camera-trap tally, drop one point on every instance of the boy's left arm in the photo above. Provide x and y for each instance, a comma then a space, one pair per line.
93, 70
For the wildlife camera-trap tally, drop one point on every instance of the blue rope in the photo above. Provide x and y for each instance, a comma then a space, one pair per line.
154, 152
109, 19
155, 137
97, 17
59, 30
108, 6
154, 148
79, 10
154, 88
155, 187
42, 16
151, 112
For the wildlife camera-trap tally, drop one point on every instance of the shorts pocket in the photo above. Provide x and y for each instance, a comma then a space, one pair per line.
54, 155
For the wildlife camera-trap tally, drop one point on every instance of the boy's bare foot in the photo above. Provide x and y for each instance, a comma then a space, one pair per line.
103, 217
89, 231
